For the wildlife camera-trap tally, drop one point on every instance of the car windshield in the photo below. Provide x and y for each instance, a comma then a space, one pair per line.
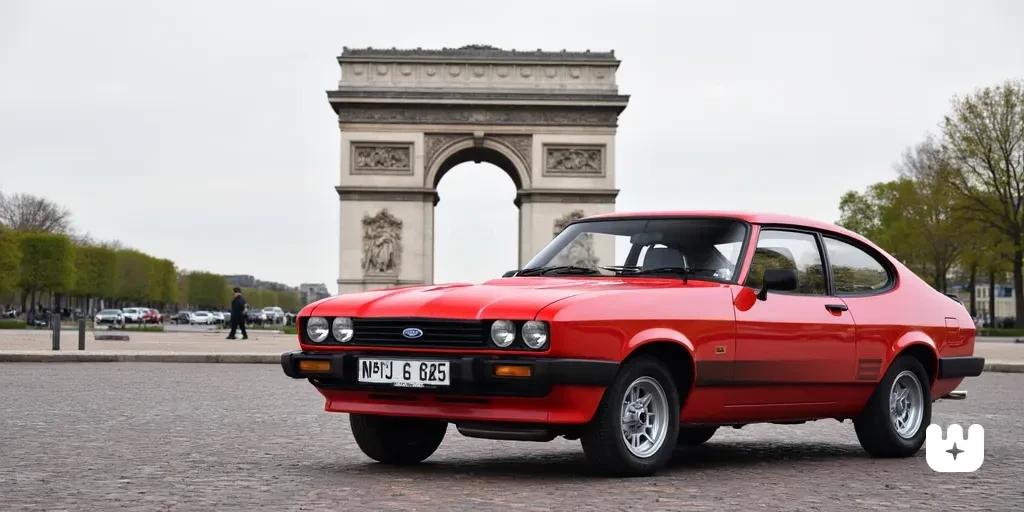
706, 248
110, 312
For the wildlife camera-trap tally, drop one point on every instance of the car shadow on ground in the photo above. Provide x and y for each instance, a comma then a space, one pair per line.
569, 465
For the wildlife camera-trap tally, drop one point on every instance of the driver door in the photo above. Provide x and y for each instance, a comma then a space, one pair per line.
795, 347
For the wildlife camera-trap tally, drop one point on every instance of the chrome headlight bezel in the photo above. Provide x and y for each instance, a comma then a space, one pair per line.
536, 334
317, 329
503, 333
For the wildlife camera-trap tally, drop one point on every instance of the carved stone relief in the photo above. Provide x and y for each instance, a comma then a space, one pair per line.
382, 243
574, 160
433, 142
580, 251
381, 158
522, 144
447, 114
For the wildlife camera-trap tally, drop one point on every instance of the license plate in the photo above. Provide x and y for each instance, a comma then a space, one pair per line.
404, 373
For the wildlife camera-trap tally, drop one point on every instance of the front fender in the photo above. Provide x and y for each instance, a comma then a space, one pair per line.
652, 335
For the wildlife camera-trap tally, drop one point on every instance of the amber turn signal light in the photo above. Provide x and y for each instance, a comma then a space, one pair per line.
315, 366
512, 370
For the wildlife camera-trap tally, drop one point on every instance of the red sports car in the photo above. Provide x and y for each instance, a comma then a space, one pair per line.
640, 333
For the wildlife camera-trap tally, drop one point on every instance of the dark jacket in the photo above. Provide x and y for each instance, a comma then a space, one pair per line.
237, 306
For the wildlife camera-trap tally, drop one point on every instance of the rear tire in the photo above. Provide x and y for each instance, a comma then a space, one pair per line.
395, 440
633, 432
693, 436
894, 420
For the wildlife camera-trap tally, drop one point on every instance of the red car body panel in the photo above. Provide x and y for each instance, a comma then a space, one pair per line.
787, 358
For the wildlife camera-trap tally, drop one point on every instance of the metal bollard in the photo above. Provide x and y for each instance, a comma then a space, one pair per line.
55, 321
81, 334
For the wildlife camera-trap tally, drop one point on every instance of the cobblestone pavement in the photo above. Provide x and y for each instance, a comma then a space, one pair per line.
146, 436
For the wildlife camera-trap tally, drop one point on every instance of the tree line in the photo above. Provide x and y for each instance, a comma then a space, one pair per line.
955, 210
43, 262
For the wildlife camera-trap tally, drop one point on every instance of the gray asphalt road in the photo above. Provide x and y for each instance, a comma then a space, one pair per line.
228, 437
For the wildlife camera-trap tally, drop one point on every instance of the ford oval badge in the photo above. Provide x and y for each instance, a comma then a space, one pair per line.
412, 333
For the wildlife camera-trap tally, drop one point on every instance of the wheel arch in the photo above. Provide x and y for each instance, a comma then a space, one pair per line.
670, 347
921, 347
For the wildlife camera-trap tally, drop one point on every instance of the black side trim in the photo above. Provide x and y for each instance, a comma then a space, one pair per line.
959, 367
470, 375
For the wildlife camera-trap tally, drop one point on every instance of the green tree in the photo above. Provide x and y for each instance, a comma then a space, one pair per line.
95, 273
10, 260
288, 301
165, 282
933, 212
47, 265
133, 276
984, 136
206, 290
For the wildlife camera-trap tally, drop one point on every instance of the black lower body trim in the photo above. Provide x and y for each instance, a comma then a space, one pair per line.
469, 375
959, 367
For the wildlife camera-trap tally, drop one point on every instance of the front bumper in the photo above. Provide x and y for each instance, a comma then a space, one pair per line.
471, 375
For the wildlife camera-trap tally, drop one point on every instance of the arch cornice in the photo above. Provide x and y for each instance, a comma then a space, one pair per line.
445, 153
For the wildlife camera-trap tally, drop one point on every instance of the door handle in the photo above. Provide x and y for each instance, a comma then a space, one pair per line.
836, 307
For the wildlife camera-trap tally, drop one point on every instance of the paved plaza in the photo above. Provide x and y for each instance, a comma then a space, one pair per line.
150, 436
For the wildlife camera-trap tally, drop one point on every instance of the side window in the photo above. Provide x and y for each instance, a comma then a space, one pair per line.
854, 270
788, 249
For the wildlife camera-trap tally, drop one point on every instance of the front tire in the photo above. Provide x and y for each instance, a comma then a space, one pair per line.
397, 441
633, 432
894, 420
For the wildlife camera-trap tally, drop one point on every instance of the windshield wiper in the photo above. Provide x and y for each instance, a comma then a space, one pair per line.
569, 269
682, 271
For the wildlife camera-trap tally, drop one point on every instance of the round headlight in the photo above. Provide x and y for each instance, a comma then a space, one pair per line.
503, 333
316, 328
535, 334
342, 329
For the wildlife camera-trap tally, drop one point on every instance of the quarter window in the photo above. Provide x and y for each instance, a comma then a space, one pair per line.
788, 250
853, 270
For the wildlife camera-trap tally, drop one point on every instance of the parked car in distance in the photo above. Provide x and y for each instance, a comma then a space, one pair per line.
202, 317
218, 317
255, 316
132, 315
109, 317
150, 316
182, 317
708, 320
273, 314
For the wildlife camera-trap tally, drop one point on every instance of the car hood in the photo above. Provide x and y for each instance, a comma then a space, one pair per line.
513, 298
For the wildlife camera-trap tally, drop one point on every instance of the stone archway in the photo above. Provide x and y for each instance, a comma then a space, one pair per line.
548, 119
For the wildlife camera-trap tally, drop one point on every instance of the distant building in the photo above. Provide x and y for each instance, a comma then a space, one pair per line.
244, 281
251, 282
310, 292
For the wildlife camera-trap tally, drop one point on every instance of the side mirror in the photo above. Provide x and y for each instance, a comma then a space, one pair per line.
510, 273
779, 279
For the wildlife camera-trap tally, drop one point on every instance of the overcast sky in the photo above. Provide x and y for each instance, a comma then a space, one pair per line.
199, 130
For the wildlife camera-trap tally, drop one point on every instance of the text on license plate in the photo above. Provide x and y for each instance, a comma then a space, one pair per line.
404, 373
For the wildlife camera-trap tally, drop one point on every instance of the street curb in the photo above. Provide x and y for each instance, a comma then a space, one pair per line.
36, 356
100, 356
1004, 367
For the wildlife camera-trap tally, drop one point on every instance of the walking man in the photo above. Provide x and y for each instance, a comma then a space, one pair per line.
238, 307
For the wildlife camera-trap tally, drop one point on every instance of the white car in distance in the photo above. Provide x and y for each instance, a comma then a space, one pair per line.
202, 317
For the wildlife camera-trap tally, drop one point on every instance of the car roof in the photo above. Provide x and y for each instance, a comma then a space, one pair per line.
747, 216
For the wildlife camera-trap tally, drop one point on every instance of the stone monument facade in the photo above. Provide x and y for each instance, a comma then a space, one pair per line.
406, 117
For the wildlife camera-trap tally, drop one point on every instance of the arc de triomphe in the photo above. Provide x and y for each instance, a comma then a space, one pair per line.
548, 119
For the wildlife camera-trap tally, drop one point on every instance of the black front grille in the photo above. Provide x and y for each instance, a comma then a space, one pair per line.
436, 332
